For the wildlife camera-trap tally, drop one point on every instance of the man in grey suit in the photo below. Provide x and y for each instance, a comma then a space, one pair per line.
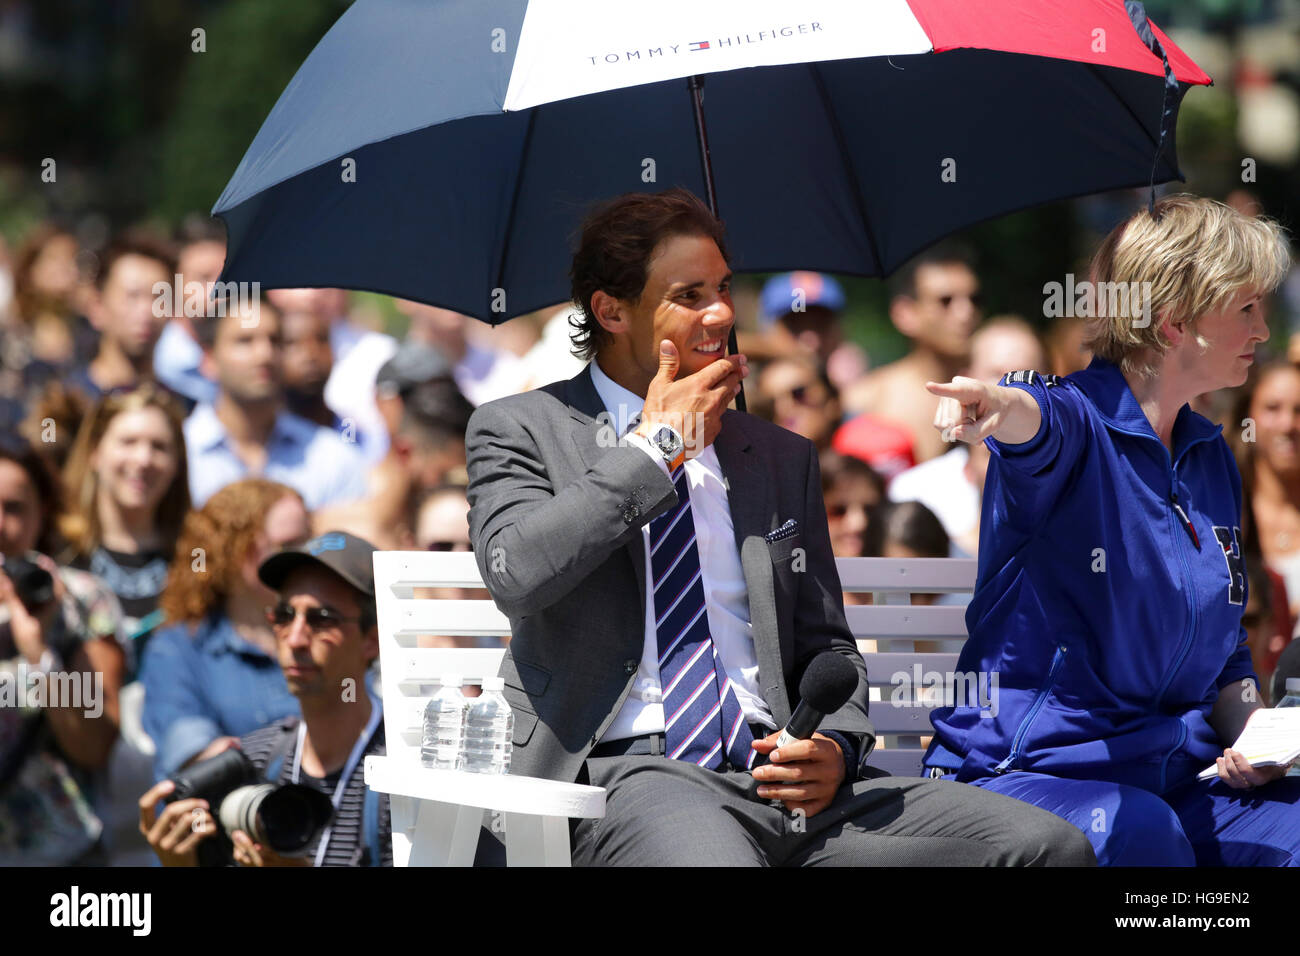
667, 571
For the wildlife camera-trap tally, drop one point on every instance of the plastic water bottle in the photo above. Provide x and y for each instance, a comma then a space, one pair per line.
444, 726
489, 728
1292, 699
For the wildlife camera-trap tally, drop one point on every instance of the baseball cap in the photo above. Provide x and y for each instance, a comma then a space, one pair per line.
413, 364
884, 445
348, 556
818, 289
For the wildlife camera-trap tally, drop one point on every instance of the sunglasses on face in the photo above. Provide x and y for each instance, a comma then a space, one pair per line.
800, 393
318, 618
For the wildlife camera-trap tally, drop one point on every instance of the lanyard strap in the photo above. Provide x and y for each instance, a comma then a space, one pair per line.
376, 714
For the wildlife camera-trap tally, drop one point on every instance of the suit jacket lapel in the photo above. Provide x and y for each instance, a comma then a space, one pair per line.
752, 516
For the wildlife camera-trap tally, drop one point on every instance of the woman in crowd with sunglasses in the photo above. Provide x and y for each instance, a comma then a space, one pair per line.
212, 674
794, 392
128, 493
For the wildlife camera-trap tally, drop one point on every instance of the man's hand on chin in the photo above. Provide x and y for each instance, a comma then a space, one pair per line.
804, 774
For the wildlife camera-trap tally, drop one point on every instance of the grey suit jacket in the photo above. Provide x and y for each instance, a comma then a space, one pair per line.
555, 520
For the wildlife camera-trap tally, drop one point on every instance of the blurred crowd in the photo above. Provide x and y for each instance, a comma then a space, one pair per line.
158, 448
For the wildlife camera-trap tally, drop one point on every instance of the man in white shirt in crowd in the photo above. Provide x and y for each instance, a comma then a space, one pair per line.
952, 484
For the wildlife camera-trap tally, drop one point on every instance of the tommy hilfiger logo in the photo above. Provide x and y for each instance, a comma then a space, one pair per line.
716, 43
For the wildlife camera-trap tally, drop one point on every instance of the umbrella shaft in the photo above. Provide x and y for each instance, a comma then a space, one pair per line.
696, 85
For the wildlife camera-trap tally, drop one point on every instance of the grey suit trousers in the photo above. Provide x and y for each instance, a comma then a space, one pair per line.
661, 812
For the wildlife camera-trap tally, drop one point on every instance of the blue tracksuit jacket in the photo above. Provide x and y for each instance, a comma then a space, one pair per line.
1109, 596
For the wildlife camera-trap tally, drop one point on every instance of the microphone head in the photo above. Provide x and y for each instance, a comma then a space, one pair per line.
828, 682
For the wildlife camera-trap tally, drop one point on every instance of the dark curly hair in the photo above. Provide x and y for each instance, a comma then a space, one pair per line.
613, 255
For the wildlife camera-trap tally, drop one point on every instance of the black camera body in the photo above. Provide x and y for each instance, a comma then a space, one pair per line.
33, 585
285, 818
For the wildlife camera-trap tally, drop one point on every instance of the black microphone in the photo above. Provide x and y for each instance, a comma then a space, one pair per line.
828, 682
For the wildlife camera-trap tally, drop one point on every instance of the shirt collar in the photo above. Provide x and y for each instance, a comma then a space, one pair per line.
205, 431
292, 429
1108, 390
622, 404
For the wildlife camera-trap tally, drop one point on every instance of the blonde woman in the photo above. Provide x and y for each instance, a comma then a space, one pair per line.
128, 494
1111, 579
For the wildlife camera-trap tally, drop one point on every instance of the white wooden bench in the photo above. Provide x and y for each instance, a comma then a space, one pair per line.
437, 814
900, 710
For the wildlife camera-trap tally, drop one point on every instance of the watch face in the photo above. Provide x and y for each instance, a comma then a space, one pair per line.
667, 442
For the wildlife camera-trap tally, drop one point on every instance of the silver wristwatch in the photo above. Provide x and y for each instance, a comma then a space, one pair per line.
668, 442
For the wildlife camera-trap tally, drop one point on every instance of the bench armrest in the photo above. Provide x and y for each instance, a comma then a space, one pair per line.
504, 792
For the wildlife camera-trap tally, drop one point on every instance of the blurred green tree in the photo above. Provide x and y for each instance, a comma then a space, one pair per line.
253, 50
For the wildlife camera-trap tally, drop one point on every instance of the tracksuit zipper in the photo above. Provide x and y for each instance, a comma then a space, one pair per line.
1192, 616
1023, 729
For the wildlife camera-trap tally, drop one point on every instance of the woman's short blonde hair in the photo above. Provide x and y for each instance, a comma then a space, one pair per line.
1197, 255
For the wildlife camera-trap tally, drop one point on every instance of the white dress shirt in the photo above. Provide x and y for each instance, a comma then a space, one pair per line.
725, 594
350, 389
942, 486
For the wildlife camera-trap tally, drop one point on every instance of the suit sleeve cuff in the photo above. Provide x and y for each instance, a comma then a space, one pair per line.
850, 753
640, 441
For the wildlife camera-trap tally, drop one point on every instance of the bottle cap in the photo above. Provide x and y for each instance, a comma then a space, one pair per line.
1293, 685
493, 683
451, 680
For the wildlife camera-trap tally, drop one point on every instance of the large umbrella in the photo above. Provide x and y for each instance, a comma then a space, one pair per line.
446, 151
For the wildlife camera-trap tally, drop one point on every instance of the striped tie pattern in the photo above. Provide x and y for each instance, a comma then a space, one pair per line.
705, 723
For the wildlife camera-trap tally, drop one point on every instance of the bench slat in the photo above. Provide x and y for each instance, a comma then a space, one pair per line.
423, 665
913, 718
882, 666
426, 569
912, 575
914, 621
416, 616
901, 762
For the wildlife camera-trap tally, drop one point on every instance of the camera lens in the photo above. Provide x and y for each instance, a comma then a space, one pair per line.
284, 818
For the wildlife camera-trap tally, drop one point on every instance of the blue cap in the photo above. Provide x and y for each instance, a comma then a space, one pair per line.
778, 294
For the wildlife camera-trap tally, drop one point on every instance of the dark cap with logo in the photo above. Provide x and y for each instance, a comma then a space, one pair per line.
348, 556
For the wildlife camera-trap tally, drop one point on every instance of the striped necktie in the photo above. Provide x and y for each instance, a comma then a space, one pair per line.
705, 723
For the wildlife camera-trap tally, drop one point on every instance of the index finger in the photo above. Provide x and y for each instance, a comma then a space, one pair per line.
150, 800
968, 391
716, 371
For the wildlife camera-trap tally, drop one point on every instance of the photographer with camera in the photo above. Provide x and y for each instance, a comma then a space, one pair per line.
327, 638
61, 665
